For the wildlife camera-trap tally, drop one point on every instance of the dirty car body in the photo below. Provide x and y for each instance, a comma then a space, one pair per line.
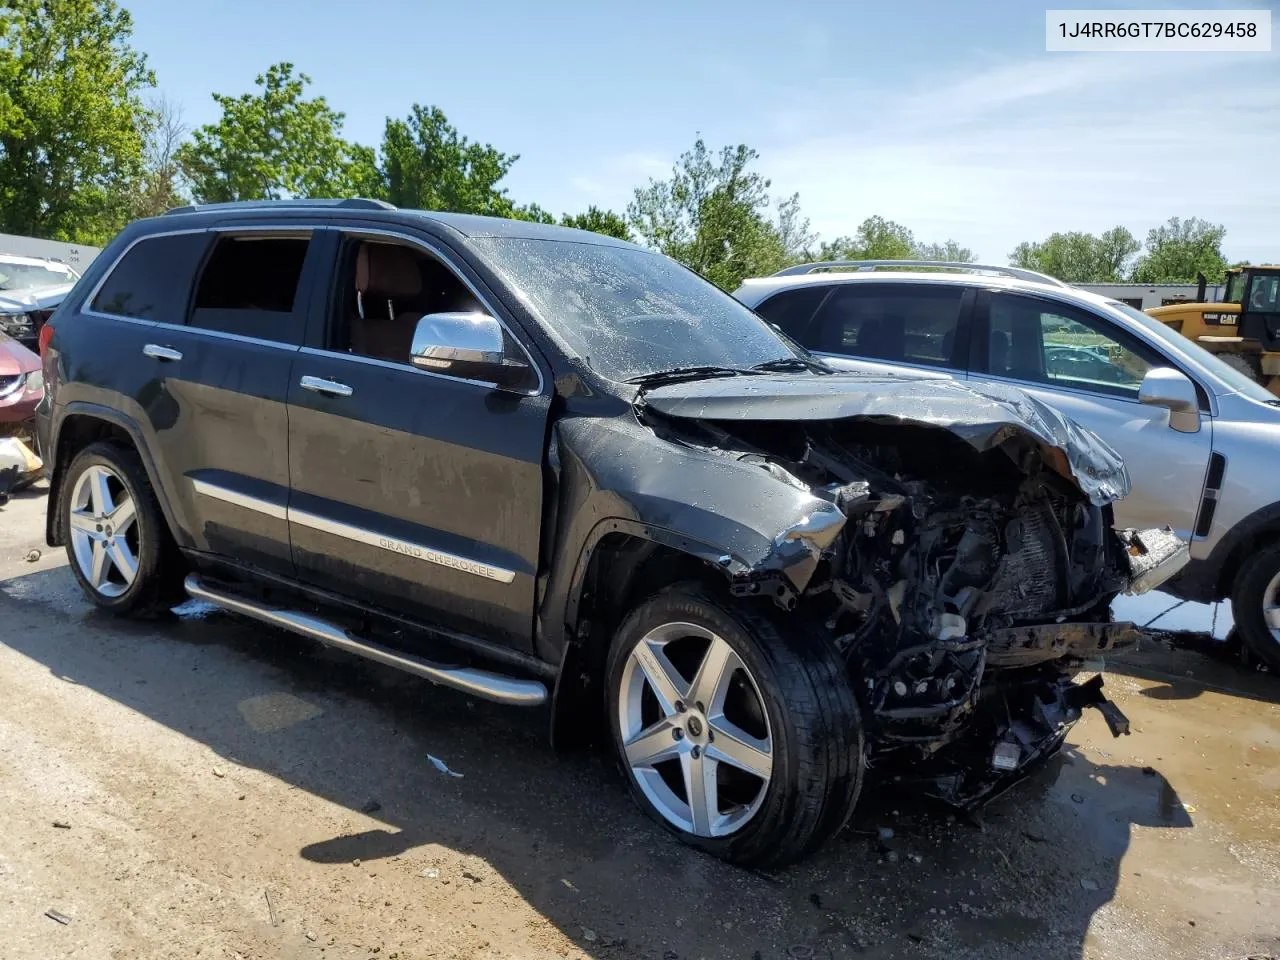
536, 464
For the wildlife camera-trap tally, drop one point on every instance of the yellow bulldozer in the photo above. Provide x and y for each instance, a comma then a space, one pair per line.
1243, 329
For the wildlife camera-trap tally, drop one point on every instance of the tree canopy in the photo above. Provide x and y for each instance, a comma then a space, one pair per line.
879, 239
1080, 257
1178, 250
275, 144
713, 215
72, 121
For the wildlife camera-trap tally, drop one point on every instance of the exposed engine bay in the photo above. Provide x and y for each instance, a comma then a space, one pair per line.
966, 586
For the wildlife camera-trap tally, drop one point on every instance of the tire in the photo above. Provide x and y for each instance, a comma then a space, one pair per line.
783, 695
142, 536
1256, 597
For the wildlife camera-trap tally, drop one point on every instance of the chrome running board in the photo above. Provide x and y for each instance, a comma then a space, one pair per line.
480, 683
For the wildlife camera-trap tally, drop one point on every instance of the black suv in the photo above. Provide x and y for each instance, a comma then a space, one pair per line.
513, 459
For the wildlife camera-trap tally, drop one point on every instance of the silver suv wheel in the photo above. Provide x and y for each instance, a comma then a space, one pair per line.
1271, 607
683, 730
104, 531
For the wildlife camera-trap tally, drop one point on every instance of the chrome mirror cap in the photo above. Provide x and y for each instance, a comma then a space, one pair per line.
467, 345
443, 340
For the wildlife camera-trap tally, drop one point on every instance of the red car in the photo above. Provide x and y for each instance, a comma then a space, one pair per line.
21, 387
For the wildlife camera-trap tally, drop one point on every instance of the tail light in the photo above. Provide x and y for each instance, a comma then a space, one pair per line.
46, 334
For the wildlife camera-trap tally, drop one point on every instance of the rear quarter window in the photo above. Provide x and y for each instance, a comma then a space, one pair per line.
152, 281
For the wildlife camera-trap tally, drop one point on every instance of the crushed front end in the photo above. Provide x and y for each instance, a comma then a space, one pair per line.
970, 581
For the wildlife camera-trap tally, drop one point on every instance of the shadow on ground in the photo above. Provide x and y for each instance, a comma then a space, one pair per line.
1027, 877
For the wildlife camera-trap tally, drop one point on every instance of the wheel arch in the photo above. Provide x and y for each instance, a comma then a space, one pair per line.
80, 425
621, 563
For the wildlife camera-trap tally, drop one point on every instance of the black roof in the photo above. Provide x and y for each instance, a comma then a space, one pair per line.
468, 225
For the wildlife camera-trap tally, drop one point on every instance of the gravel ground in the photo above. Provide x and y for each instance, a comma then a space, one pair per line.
206, 787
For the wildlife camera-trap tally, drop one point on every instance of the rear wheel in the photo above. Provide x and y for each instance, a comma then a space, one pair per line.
741, 738
120, 550
1255, 605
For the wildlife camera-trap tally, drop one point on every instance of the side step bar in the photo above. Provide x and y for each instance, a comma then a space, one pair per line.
480, 683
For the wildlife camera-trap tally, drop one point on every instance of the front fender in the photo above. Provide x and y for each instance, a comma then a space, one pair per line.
615, 475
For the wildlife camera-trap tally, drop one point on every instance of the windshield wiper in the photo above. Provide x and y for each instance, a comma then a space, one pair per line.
791, 363
689, 373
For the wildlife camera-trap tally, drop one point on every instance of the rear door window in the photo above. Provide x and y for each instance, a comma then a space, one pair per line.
901, 323
250, 287
153, 279
1042, 342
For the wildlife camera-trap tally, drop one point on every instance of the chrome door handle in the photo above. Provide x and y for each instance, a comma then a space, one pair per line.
330, 388
157, 352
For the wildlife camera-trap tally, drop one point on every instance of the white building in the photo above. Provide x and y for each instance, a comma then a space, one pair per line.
1143, 296
76, 255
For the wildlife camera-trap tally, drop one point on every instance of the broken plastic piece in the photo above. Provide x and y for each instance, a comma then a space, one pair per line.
443, 767
1006, 756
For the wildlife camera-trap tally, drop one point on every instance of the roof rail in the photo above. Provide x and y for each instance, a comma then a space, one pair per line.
1018, 273
350, 203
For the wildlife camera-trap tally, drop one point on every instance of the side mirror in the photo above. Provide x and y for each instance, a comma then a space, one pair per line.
466, 345
1173, 390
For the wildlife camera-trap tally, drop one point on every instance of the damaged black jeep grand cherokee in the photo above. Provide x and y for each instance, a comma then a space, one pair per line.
529, 463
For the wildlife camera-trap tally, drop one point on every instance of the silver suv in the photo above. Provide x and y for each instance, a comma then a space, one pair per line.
1200, 439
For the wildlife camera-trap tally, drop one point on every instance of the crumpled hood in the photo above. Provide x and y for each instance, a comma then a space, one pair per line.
986, 417
34, 298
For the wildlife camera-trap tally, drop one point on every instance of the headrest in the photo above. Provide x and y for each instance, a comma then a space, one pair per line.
384, 270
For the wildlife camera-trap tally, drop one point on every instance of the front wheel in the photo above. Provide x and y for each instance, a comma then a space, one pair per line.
1255, 605
737, 731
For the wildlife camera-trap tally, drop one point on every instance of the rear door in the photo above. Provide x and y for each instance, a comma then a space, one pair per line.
914, 329
216, 339
413, 491
1091, 370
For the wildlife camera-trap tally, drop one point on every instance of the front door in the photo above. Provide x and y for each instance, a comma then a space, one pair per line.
416, 492
1089, 369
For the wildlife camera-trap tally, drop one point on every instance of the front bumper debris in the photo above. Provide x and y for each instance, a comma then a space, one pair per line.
1015, 732
1155, 555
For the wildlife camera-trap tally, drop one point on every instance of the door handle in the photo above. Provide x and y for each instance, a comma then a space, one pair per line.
330, 388
157, 352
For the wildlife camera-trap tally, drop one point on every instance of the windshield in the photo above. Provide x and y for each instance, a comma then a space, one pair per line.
629, 313
24, 276
1230, 376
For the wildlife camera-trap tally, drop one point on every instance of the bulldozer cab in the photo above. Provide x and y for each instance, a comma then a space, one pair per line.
1257, 291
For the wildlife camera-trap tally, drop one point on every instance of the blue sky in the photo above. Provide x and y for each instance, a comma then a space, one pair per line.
948, 117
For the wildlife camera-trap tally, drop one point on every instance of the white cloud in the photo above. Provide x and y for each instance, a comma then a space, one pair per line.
1017, 150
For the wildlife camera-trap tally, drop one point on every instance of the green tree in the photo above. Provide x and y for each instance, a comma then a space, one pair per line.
428, 165
276, 144
72, 121
949, 251
1079, 257
598, 221
713, 216
879, 239
1178, 250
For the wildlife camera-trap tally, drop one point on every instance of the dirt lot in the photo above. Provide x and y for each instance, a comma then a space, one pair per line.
206, 787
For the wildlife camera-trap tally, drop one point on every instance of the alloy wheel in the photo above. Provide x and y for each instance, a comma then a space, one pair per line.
695, 730
104, 531
1271, 607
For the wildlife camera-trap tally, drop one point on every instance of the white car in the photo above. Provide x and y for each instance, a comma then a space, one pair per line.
30, 289
1200, 439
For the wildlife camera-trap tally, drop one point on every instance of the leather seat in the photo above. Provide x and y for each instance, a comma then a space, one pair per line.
388, 295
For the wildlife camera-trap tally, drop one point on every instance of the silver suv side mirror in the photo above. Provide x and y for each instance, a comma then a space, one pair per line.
466, 345
1172, 389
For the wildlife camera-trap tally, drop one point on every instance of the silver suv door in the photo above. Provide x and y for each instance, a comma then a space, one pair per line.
909, 329
1083, 364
